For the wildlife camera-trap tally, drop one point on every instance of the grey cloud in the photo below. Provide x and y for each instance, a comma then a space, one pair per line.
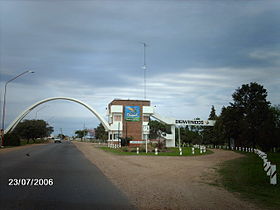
198, 51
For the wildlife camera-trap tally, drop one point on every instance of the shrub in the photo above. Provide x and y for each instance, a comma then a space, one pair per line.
11, 139
125, 141
160, 145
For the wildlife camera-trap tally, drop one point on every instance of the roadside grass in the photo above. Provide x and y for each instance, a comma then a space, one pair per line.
24, 142
186, 151
246, 176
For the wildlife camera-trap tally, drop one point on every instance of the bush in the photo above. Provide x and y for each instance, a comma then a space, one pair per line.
11, 139
160, 145
125, 141
142, 149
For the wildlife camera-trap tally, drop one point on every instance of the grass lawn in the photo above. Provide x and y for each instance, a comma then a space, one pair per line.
187, 151
246, 176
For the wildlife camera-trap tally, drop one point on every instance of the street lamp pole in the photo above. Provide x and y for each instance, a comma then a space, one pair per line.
4, 102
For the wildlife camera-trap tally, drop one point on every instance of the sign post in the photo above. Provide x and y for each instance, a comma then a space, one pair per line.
179, 137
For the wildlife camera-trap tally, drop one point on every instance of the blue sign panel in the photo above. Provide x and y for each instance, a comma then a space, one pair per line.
132, 113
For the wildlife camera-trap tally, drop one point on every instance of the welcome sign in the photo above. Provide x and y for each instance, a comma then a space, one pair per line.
132, 113
196, 122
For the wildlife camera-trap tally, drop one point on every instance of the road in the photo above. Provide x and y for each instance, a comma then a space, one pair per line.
77, 183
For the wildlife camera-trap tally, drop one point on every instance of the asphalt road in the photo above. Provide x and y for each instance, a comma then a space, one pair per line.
77, 183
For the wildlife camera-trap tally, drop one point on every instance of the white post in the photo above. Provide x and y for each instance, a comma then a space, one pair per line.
192, 150
273, 175
146, 145
264, 162
267, 168
156, 151
180, 149
137, 150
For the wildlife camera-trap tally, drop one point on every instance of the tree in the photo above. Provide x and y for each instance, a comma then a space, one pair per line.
274, 126
252, 108
189, 135
100, 132
208, 132
157, 128
249, 120
227, 126
276, 115
81, 133
33, 129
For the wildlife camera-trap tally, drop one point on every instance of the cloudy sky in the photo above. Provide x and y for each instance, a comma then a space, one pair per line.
198, 53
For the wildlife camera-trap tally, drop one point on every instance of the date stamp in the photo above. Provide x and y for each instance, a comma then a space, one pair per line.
30, 182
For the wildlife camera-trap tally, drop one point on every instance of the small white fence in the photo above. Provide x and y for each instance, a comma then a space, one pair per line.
114, 146
202, 148
268, 167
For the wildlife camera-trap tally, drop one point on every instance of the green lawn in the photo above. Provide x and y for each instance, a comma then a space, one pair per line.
246, 176
187, 151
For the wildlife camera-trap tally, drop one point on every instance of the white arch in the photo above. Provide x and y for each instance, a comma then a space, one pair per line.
12, 126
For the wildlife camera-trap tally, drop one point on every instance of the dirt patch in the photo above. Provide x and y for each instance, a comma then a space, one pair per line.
158, 182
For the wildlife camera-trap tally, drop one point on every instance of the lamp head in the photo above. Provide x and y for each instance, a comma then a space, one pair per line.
31, 72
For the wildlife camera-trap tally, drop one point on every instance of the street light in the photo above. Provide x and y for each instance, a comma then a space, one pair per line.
4, 101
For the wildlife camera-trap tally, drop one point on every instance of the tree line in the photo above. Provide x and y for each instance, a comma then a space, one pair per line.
249, 121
